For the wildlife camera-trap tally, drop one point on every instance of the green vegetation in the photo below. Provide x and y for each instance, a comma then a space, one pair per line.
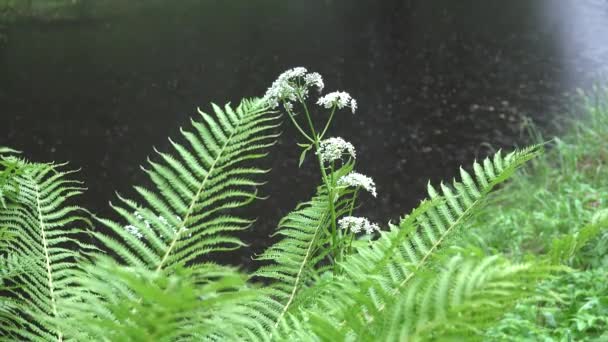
560, 201
481, 258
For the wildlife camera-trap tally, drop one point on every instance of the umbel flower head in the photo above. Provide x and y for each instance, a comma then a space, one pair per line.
332, 149
338, 99
292, 84
314, 79
357, 224
134, 231
355, 179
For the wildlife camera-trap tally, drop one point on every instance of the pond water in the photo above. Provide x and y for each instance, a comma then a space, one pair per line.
439, 83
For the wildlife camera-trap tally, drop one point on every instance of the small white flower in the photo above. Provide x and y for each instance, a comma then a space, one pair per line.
134, 231
284, 88
357, 224
370, 228
339, 99
138, 216
296, 72
288, 106
333, 148
314, 79
356, 179
291, 86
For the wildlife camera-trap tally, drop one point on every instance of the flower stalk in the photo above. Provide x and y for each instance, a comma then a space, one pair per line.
293, 87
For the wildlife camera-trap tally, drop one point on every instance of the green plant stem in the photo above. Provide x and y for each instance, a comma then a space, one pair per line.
334, 230
331, 116
328, 182
295, 123
350, 213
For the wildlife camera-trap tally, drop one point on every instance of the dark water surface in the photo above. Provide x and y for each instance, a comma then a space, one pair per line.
438, 83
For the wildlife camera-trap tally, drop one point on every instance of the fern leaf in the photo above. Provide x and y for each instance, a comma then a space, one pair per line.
294, 262
376, 275
454, 302
186, 215
137, 304
44, 230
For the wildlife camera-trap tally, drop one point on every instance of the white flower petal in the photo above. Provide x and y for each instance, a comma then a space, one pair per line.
356, 179
338, 99
315, 79
357, 224
134, 231
334, 148
292, 85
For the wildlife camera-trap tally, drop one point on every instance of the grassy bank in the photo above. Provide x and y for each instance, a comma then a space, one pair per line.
555, 201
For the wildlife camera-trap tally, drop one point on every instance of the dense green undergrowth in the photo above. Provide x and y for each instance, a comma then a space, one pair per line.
557, 200
525, 262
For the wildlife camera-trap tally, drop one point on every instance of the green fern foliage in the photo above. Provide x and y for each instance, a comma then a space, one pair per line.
45, 231
331, 275
564, 248
456, 302
10, 168
144, 305
293, 263
378, 274
10, 266
187, 214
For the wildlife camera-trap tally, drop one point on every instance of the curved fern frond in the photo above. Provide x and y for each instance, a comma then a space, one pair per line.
457, 301
295, 262
440, 222
45, 231
187, 215
380, 272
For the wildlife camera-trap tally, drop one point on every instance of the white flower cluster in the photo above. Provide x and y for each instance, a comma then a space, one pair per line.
356, 179
357, 224
314, 79
291, 84
332, 149
166, 223
134, 231
141, 218
339, 99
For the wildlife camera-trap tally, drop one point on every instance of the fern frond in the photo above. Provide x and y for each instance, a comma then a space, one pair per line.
377, 274
457, 301
44, 231
137, 304
10, 266
564, 248
186, 216
294, 262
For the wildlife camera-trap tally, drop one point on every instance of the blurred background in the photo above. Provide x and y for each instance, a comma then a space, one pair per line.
439, 83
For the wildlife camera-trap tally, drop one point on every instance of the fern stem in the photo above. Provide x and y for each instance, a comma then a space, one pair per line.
304, 263
49, 271
436, 245
431, 250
